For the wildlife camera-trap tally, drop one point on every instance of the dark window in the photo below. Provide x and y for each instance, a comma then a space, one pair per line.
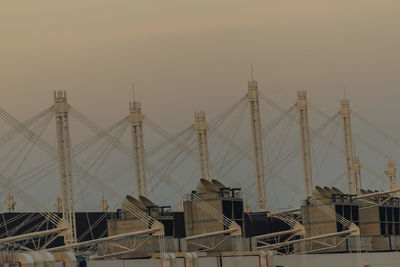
389, 213
179, 224
168, 227
382, 215
339, 211
347, 212
390, 228
396, 214
227, 208
383, 228
238, 209
354, 213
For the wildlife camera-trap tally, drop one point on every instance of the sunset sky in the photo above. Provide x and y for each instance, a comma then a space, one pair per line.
185, 56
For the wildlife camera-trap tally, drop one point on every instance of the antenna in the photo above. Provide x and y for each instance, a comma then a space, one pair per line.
344, 91
133, 91
251, 72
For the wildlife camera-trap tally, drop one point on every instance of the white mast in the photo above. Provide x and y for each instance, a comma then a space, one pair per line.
10, 202
305, 142
104, 204
255, 123
59, 203
136, 119
391, 173
200, 126
65, 164
357, 174
348, 147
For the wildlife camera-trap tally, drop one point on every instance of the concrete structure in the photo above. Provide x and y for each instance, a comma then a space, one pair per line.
227, 201
67, 258
125, 222
65, 164
30, 259
380, 219
251, 259
391, 259
315, 220
376, 215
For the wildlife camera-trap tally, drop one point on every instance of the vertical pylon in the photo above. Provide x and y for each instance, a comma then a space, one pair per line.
357, 175
305, 142
10, 203
59, 203
200, 126
104, 204
391, 173
348, 146
255, 123
65, 164
136, 120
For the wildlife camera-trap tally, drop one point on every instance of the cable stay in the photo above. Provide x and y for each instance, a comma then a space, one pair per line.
326, 140
358, 137
157, 228
24, 146
377, 129
51, 165
9, 134
171, 182
42, 210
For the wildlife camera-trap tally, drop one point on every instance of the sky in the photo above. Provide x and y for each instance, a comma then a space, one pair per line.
185, 56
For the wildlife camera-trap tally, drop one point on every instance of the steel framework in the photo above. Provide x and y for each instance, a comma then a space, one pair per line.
255, 123
305, 142
200, 126
136, 120
65, 164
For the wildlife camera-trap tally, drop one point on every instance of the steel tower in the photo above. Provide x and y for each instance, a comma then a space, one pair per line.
255, 122
136, 119
305, 142
391, 173
104, 205
352, 184
65, 164
10, 202
200, 126
357, 174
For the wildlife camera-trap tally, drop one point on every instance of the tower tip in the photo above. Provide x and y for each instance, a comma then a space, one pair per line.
344, 91
133, 92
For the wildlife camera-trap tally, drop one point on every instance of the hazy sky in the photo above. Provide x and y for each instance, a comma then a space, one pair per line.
191, 55
195, 55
